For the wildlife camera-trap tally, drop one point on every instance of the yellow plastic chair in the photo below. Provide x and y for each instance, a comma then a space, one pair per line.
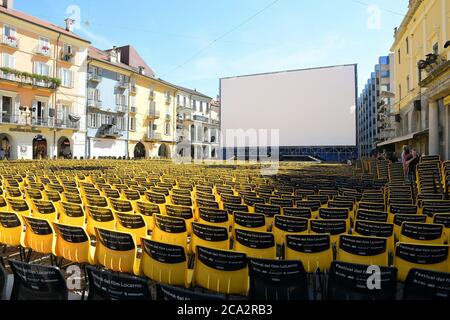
214, 216
19, 206
314, 251
362, 250
420, 256
131, 223
11, 229
209, 236
170, 230
116, 251
147, 210
334, 228
165, 263
73, 243
39, 235
44, 210
183, 212
72, 214
422, 233
376, 229
221, 271
259, 245
249, 221
288, 225
99, 217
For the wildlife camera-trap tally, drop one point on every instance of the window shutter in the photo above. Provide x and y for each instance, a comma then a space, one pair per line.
16, 105
59, 113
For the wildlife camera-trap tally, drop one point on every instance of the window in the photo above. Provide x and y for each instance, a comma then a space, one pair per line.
184, 101
44, 45
42, 69
66, 78
8, 61
132, 124
93, 120
64, 111
407, 45
201, 106
9, 32
121, 100
399, 56
120, 123
408, 86
167, 128
178, 99
152, 92
399, 92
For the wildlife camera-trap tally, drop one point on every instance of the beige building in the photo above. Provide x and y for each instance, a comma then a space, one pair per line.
422, 79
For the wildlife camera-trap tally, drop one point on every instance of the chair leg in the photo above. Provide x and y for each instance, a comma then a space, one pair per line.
27, 260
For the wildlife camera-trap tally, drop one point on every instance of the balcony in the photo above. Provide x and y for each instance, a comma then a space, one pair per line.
32, 80
94, 104
24, 119
93, 77
153, 113
10, 41
133, 109
153, 137
122, 108
122, 84
108, 131
68, 57
44, 51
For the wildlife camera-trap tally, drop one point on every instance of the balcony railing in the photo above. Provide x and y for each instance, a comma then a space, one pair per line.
133, 109
47, 122
67, 57
94, 103
122, 108
94, 77
153, 137
201, 118
108, 131
10, 41
28, 80
45, 51
122, 84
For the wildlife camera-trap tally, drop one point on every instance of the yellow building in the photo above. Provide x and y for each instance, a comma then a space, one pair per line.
42, 87
422, 79
155, 132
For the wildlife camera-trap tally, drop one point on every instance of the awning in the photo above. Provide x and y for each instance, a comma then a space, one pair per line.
403, 138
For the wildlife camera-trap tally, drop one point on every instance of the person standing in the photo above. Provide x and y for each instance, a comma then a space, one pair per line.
412, 165
2, 154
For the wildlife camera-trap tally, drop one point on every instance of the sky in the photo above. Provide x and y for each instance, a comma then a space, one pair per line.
194, 43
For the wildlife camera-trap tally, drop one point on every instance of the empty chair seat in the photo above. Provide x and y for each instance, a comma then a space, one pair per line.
376, 229
332, 227
249, 221
37, 282
209, 236
362, 250
214, 216
305, 213
71, 214
72, 243
116, 251
182, 212
165, 263
99, 217
147, 210
420, 256
314, 251
349, 281
107, 285
426, 285
221, 271
371, 215
39, 235
170, 230
260, 245
277, 280
119, 205
11, 228
132, 223
422, 233
44, 210
286, 224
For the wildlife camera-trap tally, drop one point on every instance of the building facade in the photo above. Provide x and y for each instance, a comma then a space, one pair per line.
374, 108
198, 125
130, 112
422, 79
42, 87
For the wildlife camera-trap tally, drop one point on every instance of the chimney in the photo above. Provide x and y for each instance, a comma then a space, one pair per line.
142, 70
8, 4
114, 55
69, 24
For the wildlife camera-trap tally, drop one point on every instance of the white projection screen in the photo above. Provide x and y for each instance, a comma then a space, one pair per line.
310, 107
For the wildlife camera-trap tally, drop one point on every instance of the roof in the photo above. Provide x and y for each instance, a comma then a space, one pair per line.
103, 56
131, 57
193, 92
28, 18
